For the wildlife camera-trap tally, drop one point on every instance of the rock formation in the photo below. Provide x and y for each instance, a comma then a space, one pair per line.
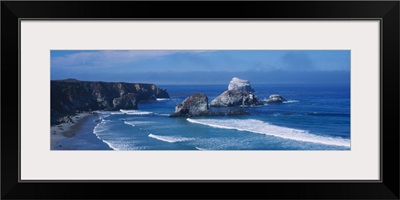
126, 101
71, 96
240, 84
235, 98
275, 98
194, 105
197, 105
239, 93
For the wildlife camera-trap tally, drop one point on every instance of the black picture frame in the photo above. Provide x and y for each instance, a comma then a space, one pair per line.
386, 11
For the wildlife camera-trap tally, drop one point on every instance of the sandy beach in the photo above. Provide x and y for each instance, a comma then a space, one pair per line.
66, 130
77, 134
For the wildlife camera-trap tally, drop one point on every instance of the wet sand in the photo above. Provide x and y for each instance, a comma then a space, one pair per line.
66, 130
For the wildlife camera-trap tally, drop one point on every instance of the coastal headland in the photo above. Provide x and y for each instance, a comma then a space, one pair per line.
73, 101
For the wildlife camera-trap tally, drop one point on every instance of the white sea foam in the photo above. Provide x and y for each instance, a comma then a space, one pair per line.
99, 128
108, 113
291, 101
117, 113
170, 139
161, 114
201, 149
163, 99
257, 126
136, 112
104, 116
136, 123
111, 146
129, 123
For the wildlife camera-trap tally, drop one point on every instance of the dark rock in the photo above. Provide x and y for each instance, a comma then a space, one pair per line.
236, 98
161, 93
127, 101
71, 96
65, 119
195, 105
275, 98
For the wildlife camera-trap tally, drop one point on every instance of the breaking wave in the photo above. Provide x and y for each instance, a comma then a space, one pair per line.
163, 99
260, 127
101, 127
135, 112
291, 101
161, 114
202, 149
135, 123
170, 139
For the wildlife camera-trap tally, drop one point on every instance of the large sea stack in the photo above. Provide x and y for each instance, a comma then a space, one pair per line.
240, 84
275, 98
194, 105
71, 96
239, 93
197, 105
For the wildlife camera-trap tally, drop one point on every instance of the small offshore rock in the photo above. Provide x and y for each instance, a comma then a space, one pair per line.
275, 98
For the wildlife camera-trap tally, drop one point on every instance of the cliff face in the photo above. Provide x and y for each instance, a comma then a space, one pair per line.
71, 96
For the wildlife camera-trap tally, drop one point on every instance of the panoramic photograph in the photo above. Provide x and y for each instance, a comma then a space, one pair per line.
200, 100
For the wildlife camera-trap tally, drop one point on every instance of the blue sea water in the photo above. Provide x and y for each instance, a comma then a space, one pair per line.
316, 117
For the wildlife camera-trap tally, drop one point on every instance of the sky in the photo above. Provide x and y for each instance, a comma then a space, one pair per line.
202, 67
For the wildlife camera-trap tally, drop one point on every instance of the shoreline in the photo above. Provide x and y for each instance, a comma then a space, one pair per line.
66, 129
77, 134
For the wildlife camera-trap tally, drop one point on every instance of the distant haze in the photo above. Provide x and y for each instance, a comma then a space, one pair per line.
203, 67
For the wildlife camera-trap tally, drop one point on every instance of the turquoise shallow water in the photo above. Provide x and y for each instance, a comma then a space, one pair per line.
316, 117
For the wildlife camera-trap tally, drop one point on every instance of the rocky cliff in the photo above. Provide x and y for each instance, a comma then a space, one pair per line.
71, 96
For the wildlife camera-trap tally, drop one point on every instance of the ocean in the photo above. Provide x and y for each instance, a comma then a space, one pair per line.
316, 117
